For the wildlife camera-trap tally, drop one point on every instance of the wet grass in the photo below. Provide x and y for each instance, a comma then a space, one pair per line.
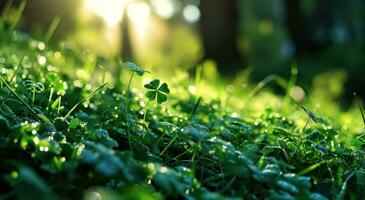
68, 132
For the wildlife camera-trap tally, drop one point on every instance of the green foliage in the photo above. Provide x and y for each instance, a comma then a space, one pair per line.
63, 137
29, 183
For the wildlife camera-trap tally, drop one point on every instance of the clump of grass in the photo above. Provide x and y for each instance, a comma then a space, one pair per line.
93, 93
19, 98
360, 108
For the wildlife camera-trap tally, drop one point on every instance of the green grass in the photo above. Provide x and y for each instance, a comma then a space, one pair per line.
65, 134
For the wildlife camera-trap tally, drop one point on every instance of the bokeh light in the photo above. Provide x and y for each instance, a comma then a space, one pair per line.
110, 10
164, 8
138, 12
191, 13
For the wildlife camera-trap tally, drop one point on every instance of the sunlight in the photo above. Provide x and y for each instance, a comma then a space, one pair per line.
164, 8
110, 10
139, 14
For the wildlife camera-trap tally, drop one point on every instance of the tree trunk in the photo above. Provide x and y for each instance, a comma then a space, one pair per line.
126, 47
303, 29
219, 32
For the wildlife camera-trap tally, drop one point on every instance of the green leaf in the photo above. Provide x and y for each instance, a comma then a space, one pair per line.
74, 123
322, 149
44, 118
30, 184
103, 138
195, 131
61, 124
317, 196
56, 103
4, 123
161, 98
134, 68
153, 85
151, 95
287, 186
164, 88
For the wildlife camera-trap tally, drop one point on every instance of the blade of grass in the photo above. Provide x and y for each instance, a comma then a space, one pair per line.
291, 83
44, 118
128, 88
85, 99
198, 77
52, 29
310, 168
18, 15
19, 98
168, 145
4, 13
17, 69
193, 160
342, 193
56, 104
50, 97
360, 107
195, 108
266, 81
6, 8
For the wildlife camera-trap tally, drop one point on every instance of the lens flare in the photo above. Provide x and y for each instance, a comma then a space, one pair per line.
164, 8
191, 13
110, 10
138, 12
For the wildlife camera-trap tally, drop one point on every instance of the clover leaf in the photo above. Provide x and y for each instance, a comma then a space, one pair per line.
157, 91
134, 68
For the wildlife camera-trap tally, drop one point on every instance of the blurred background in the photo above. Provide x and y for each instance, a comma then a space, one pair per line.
324, 39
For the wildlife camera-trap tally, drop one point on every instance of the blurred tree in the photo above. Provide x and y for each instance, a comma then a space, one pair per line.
126, 47
309, 31
219, 34
2, 5
39, 14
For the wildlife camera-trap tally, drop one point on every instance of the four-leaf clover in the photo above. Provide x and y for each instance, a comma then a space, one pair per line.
157, 91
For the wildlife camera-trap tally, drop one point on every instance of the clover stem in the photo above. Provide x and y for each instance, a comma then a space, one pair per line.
168, 145
129, 140
145, 111
50, 97
128, 88
127, 108
33, 95
301, 134
193, 161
